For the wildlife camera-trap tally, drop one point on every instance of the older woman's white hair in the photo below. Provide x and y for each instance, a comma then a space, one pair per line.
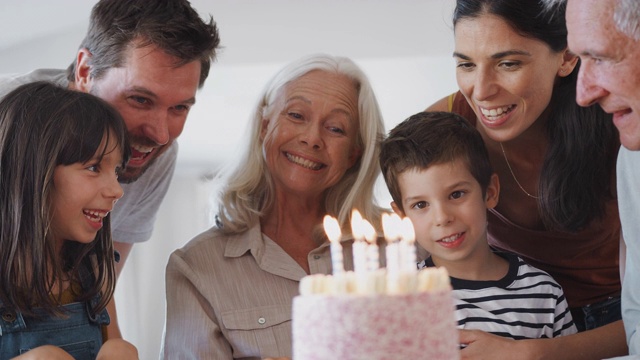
250, 190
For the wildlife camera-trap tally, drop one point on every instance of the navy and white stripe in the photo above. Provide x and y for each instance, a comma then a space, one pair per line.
525, 304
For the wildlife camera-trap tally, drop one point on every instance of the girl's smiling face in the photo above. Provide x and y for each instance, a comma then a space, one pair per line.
84, 193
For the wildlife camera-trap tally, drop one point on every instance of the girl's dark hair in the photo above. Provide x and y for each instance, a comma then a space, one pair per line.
576, 178
43, 126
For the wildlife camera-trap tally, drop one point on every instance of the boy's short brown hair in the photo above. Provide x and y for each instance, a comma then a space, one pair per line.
429, 138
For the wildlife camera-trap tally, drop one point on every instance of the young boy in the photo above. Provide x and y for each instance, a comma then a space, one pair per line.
439, 175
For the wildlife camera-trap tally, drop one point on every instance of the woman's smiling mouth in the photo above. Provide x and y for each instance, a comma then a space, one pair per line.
308, 164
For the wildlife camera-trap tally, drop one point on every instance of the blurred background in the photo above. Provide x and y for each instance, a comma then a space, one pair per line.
404, 46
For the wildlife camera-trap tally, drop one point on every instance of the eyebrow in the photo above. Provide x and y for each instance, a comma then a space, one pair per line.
307, 101
298, 97
459, 184
593, 54
153, 95
498, 55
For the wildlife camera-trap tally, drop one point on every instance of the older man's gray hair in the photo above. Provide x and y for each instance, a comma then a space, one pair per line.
626, 15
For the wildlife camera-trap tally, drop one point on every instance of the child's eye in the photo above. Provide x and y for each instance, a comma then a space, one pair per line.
93, 168
457, 194
419, 205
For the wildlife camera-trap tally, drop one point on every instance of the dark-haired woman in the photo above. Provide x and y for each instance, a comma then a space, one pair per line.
556, 162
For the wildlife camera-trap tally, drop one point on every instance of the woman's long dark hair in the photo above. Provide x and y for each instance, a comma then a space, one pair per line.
43, 126
576, 178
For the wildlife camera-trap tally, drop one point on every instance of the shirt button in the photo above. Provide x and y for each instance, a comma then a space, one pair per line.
317, 257
261, 321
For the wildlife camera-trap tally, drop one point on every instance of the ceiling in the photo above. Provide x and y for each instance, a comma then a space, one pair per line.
401, 44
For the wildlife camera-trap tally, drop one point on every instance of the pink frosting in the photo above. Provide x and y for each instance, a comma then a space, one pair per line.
414, 326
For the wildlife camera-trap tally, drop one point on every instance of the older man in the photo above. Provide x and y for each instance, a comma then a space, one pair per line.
606, 36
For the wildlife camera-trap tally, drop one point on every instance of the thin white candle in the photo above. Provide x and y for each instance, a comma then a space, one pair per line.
391, 227
332, 229
408, 245
359, 244
373, 254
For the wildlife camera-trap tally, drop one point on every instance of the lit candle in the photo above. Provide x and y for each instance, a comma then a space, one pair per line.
359, 244
332, 229
408, 252
391, 228
373, 255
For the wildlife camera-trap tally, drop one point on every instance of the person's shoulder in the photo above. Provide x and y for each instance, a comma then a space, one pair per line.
54, 76
167, 159
200, 260
440, 105
172, 152
201, 253
9, 82
530, 270
205, 241
628, 159
160, 172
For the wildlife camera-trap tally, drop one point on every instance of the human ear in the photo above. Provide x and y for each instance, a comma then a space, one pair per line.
264, 128
569, 62
354, 156
492, 192
82, 76
397, 210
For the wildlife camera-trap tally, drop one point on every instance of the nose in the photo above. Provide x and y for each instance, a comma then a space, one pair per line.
157, 127
311, 135
113, 189
485, 85
442, 215
588, 92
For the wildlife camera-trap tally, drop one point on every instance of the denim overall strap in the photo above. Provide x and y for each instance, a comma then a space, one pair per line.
86, 280
10, 321
76, 331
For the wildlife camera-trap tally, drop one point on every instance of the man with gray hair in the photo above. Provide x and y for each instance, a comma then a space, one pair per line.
606, 36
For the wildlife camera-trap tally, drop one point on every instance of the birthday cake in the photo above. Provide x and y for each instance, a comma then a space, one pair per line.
375, 315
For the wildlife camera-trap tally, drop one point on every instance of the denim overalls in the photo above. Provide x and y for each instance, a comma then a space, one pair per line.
77, 332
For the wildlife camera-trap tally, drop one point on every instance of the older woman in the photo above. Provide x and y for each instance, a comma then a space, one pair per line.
312, 151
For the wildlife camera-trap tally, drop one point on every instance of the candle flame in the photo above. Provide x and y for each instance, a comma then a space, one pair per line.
408, 232
391, 224
369, 232
356, 225
332, 228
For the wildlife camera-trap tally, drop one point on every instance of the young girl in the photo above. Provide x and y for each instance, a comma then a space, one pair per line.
60, 152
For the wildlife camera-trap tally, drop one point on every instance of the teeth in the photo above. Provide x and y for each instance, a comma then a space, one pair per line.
304, 162
496, 112
95, 215
451, 238
142, 149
